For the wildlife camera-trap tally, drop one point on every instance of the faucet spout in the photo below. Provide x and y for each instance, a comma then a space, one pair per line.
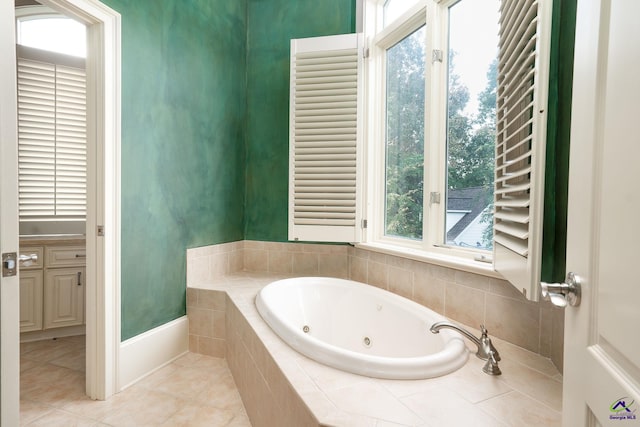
486, 350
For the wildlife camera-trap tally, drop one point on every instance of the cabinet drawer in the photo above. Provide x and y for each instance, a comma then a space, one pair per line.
35, 260
65, 256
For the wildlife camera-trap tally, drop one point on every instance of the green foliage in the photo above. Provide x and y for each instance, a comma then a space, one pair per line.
405, 136
404, 197
470, 141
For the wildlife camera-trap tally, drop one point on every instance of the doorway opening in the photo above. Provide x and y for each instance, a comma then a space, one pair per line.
101, 228
52, 195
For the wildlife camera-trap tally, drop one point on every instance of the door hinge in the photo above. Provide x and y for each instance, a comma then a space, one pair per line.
364, 223
100, 230
434, 197
436, 55
365, 52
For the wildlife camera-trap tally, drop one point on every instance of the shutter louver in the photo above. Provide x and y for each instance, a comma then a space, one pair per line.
36, 138
324, 139
71, 145
520, 145
52, 152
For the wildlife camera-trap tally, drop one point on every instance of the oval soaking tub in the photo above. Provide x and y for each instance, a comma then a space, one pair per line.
360, 328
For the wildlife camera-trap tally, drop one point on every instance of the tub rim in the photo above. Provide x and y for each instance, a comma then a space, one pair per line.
452, 357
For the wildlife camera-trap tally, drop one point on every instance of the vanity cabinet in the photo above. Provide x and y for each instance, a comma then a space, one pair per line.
52, 290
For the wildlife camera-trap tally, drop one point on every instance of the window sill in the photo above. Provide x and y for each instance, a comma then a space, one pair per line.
457, 263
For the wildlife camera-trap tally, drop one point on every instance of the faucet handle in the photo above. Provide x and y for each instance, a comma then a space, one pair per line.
483, 331
491, 367
487, 346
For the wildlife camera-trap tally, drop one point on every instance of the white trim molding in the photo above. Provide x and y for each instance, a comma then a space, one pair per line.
151, 350
9, 286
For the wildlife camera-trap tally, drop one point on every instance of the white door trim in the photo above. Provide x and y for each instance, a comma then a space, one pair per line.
9, 286
103, 191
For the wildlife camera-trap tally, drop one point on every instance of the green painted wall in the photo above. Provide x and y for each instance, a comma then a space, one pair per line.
272, 23
205, 104
183, 110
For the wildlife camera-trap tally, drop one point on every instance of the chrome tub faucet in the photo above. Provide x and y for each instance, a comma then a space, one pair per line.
486, 350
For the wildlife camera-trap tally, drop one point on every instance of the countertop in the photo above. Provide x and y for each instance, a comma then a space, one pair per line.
52, 239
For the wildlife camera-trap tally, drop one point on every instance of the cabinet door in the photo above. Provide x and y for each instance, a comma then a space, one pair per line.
64, 297
30, 301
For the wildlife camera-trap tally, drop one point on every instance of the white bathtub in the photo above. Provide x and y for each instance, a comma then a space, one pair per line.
360, 328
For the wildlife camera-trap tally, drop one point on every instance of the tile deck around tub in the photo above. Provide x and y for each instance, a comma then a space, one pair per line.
528, 393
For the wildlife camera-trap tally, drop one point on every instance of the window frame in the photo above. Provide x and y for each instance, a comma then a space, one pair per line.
35, 13
25, 13
524, 53
433, 245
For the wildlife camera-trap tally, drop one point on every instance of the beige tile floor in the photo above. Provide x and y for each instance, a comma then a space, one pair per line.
194, 390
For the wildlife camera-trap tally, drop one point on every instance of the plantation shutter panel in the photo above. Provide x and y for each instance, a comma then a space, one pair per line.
520, 146
52, 153
324, 143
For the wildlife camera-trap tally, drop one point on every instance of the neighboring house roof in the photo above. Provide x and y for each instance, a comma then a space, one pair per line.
472, 201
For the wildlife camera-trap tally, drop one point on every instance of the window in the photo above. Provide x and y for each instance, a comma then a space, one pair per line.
404, 136
392, 9
454, 110
472, 78
52, 151
437, 140
42, 28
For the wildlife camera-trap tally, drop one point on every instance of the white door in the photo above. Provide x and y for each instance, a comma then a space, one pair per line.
602, 335
9, 286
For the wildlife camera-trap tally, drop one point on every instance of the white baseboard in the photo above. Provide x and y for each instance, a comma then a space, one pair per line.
151, 350
69, 331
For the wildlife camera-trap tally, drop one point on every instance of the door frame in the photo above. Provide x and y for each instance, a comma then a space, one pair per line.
102, 301
9, 286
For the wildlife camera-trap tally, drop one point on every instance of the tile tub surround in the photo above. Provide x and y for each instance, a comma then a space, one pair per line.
468, 298
206, 263
279, 386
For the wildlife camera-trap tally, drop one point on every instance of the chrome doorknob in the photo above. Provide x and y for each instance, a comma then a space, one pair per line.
565, 293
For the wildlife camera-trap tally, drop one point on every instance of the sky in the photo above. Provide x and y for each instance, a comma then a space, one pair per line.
471, 36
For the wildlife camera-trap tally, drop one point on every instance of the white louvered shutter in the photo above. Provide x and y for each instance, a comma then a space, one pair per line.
52, 152
324, 150
521, 141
